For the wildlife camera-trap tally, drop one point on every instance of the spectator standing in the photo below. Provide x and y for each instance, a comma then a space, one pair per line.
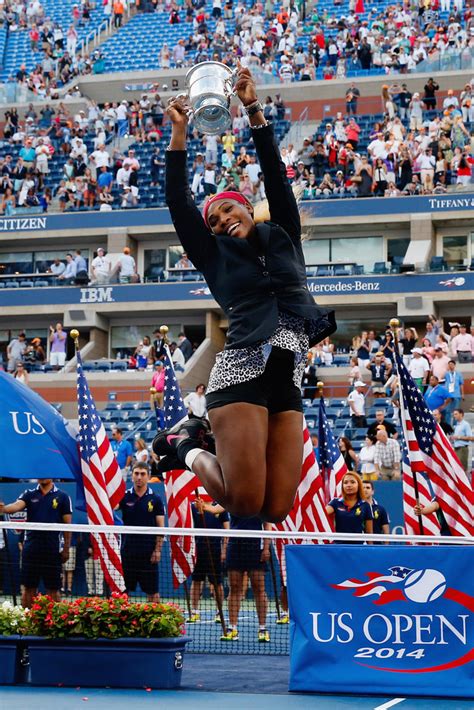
118, 9
352, 97
436, 395
42, 556
461, 438
82, 275
196, 402
444, 425
101, 267
356, 401
419, 368
185, 346
432, 331
380, 421
380, 370
123, 452
142, 455
380, 515
158, 384
454, 383
142, 553
429, 99
439, 365
387, 457
463, 345
15, 351
58, 343
366, 459
126, 267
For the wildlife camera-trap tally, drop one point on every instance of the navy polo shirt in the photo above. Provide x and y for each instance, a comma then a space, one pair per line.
380, 517
49, 508
350, 520
214, 521
142, 511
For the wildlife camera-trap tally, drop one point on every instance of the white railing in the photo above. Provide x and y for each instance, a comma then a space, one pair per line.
95, 37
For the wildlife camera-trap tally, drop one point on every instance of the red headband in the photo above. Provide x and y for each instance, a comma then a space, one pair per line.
226, 195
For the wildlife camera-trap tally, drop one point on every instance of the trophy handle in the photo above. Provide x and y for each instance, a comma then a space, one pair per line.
230, 82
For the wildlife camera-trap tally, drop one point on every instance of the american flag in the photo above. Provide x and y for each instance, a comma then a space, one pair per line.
331, 463
412, 524
103, 484
309, 510
180, 484
431, 452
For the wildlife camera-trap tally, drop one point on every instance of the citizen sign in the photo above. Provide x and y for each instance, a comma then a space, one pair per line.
22, 224
98, 294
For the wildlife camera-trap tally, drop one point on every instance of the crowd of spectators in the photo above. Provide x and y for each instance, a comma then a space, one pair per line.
420, 145
285, 42
291, 42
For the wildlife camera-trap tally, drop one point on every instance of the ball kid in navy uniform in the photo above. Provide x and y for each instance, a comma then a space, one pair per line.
209, 554
141, 553
381, 522
42, 556
352, 513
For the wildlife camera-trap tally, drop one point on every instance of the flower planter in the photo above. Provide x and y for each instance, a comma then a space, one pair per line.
11, 651
116, 663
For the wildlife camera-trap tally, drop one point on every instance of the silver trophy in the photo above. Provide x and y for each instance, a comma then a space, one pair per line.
210, 87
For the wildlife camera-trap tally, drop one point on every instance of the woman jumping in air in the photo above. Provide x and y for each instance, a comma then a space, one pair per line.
256, 272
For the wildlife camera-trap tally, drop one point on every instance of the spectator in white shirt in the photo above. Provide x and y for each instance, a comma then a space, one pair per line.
196, 402
123, 176
463, 345
419, 368
356, 401
427, 163
177, 357
100, 267
100, 157
253, 169
126, 267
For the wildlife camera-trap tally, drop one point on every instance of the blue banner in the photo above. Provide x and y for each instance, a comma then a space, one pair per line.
38, 441
381, 619
314, 208
452, 282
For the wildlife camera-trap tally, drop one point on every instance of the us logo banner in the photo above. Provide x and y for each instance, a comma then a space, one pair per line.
383, 619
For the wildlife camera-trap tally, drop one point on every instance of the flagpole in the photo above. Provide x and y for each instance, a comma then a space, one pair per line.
274, 582
395, 325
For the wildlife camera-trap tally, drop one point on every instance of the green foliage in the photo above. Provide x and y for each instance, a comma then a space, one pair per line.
92, 618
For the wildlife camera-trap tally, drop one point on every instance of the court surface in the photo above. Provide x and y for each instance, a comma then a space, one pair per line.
214, 681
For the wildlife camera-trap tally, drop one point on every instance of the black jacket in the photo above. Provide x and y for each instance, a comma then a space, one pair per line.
250, 294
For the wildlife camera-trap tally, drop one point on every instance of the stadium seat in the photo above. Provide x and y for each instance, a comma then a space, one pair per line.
12, 284
341, 271
380, 267
437, 263
324, 271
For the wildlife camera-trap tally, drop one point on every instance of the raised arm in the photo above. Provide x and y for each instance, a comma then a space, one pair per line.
187, 219
281, 200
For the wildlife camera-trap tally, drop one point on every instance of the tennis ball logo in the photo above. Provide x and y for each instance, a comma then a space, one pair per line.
424, 585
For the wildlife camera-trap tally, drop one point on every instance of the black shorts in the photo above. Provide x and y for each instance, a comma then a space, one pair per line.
40, 564
207, 565
137, 569
274, 389
245, 555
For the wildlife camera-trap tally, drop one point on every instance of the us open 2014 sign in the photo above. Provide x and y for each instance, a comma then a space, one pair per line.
381, 619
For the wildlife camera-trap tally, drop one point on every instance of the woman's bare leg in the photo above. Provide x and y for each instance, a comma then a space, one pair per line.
284, 458
236, 476
235, 595
257, 580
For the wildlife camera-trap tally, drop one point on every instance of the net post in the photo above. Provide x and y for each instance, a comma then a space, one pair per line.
274, 582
